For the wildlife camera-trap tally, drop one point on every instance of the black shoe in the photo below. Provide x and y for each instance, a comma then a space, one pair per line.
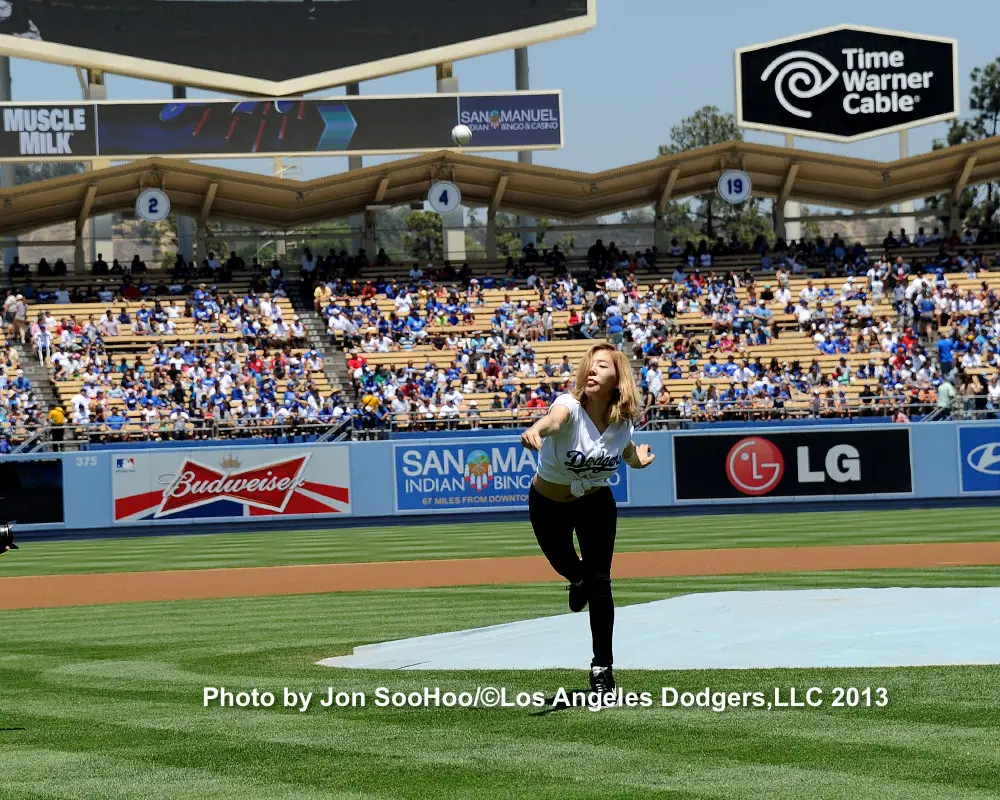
577, 596
602, 679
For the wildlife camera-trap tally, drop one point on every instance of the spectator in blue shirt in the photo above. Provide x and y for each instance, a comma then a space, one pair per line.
616, 328
946, 353
117, 420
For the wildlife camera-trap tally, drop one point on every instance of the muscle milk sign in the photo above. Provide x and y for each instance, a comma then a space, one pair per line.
847, 83
47, 132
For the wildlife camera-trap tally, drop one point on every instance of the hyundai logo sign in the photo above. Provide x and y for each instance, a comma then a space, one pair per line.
985, 458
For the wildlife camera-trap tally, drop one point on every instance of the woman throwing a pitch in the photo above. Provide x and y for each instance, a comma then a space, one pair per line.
583, 440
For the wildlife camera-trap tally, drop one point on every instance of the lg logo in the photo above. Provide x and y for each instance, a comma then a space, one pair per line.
755, 466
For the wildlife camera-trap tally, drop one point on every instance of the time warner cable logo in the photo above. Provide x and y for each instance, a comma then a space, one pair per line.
804, 75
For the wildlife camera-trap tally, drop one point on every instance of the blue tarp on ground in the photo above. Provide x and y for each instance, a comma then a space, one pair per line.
896, 627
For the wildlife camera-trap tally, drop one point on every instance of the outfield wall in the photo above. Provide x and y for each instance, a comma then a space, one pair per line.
250, 486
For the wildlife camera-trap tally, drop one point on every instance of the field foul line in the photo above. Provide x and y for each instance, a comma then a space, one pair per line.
54, 591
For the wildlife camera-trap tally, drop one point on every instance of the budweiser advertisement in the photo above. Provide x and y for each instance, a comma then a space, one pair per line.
231, 482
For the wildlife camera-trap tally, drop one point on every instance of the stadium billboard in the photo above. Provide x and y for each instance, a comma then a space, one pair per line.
290, 127
277, 47
477, 476
185, 485
979, 459
847, 83
805, 464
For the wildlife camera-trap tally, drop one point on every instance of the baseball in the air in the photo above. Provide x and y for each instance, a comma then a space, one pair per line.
461, 135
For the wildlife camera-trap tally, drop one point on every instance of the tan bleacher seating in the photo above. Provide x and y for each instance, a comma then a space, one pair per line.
126, 342
67, 389
494, 299
790, 345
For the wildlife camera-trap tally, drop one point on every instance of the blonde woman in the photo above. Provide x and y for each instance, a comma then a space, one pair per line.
582, 441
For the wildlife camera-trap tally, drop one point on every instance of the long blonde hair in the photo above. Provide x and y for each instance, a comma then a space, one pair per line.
625, 404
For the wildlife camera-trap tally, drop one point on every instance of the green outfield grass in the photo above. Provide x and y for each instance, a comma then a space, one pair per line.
465, 539
105, 702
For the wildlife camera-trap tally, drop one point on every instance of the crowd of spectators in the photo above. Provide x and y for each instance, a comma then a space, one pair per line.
422, 395
880, 317
210, 311
247, 378
916, 327
383, 315
896, 337
225, 387
837, 258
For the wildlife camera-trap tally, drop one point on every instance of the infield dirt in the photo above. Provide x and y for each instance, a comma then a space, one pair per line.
52, 591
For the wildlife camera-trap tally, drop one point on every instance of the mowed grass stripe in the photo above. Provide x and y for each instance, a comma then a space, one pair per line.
110, 700
470, 539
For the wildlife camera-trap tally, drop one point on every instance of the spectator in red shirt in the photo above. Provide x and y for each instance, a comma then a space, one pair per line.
356, 362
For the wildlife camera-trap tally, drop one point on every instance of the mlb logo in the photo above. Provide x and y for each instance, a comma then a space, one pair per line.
125, 464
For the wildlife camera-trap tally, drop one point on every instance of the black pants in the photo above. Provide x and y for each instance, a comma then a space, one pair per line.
595, 519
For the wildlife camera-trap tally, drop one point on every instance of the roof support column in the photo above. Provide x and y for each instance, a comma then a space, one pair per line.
522, 83
86, 205
201, 242
956, 193
7, 173
781, 204
370, 242
203, 215
908, 223
185, 222
659, 220
491, 235
358, 222
453, 224
491, 218
790, 208
780, 227
79, 256
101, 232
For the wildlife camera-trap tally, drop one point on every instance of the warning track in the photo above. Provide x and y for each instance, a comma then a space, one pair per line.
52, 591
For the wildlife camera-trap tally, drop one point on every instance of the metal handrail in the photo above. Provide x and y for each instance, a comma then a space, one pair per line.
76, 434
24, 446
654, 415
338, 433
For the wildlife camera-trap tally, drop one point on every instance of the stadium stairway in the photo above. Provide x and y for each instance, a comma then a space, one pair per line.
334, 363
40, 377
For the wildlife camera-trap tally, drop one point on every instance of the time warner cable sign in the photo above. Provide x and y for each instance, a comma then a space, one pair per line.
847, 83
471, 476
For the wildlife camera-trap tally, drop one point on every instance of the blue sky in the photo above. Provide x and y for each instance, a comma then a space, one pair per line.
646, 65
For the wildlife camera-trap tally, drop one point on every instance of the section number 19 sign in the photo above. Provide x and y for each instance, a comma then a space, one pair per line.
734, 186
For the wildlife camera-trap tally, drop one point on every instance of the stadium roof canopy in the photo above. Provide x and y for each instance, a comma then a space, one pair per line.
210, 192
